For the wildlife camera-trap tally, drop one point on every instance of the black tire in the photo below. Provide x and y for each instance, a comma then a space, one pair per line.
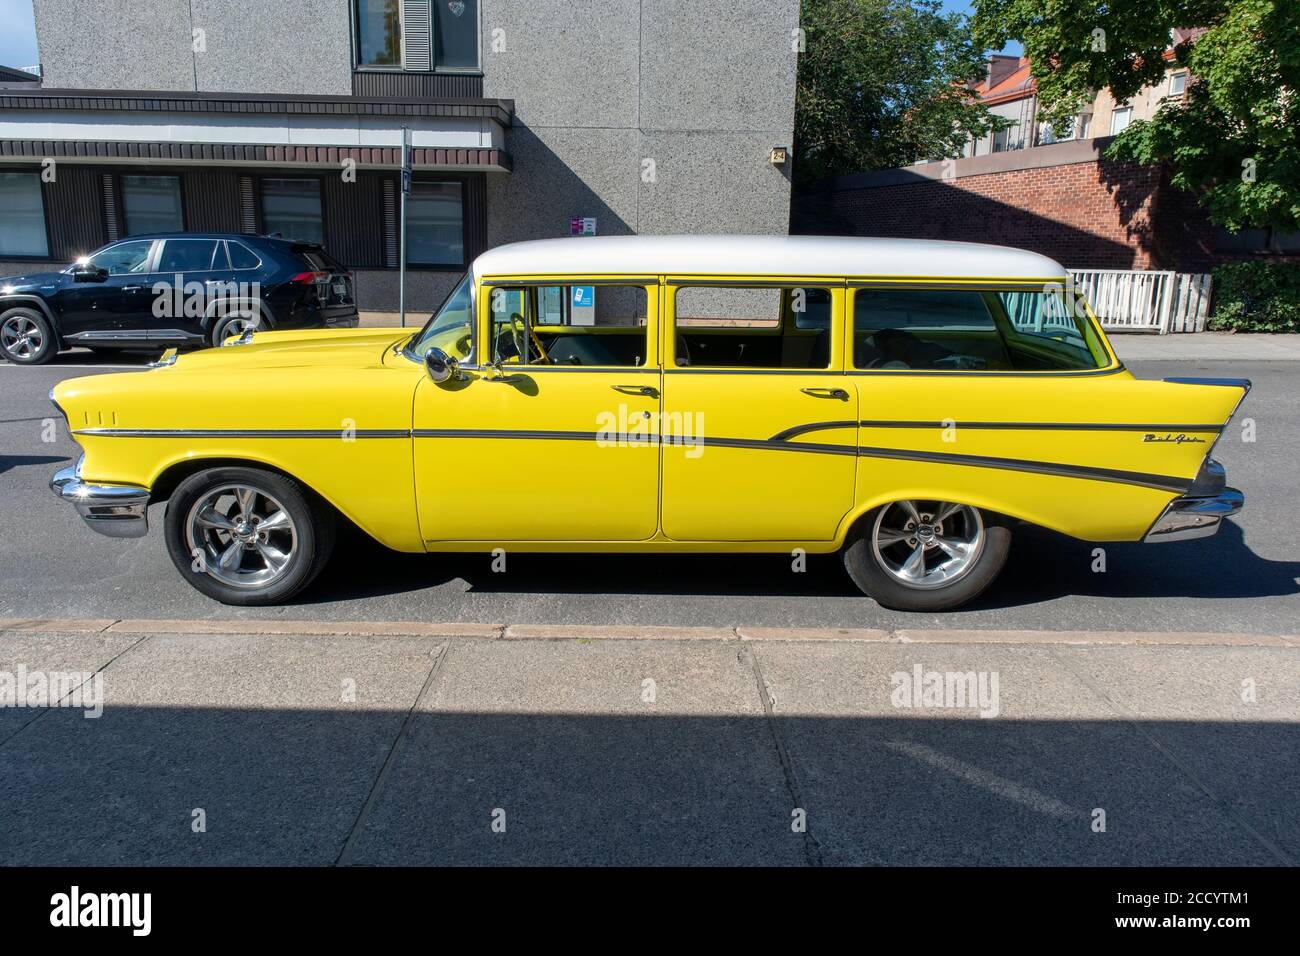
26, 337
867, 572
313, 531
228, 325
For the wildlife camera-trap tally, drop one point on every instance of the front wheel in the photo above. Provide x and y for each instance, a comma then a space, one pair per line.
927, 555
26, 337
247, 536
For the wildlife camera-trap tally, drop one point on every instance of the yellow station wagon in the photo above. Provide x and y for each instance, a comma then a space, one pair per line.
904, 402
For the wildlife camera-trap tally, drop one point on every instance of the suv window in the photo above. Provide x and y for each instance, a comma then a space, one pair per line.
187, 255
242, 257
124, 258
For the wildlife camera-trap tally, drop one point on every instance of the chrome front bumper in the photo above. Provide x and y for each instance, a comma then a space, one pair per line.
1195, 516
118, 511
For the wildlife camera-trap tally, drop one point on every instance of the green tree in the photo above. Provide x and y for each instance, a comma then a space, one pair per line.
1234, 140
882, 83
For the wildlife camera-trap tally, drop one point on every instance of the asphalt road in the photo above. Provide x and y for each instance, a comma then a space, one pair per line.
1242, 580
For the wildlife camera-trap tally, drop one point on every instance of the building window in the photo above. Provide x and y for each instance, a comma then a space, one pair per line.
435, 225
1085, 125
22, 216
292, 208
1120, 119
1006, 139
379, 33
1177, 84
152, 204
418, 35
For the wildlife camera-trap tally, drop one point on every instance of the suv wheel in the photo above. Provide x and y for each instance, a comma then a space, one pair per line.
927, 555
26, 337
247, 536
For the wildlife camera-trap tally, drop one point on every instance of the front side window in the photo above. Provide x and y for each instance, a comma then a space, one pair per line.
152, 204
435, 225
22, 216
753, 327
452, 327
124, 258
603, 326
291, 207
417, 35
972, 330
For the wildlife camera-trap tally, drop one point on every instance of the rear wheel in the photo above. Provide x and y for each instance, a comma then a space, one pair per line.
26, 337
246, 536
927, 555
236, 323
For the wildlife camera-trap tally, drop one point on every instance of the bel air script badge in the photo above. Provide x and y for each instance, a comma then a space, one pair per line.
1178, 439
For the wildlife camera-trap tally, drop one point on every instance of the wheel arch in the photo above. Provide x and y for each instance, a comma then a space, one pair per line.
14, 300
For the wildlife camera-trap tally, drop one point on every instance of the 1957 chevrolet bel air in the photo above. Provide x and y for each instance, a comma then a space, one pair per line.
904, 402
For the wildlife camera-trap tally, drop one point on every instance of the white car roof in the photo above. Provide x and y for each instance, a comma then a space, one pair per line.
763, 255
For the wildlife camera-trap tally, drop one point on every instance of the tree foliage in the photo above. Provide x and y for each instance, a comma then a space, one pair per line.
882, 84
1234, 140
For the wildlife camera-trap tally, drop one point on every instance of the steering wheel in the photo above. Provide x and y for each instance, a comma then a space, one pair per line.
521, 334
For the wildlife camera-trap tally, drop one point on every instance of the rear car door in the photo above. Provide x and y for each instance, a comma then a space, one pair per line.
754, 383
186, 277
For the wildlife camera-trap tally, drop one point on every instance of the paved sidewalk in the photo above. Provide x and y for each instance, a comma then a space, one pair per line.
395, 743
1222, 346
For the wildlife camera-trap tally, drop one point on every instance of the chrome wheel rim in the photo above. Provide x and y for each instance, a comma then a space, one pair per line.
21, 336
927, 544
241, 536
237, 327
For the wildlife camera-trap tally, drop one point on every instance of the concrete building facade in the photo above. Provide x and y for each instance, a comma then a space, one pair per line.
528, 119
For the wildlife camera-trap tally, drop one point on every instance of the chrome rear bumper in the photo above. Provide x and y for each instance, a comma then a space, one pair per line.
1195, 517
118, 511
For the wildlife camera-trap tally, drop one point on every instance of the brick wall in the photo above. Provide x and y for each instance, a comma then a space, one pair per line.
1096, 214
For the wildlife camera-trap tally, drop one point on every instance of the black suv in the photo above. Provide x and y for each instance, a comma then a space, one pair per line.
185, 289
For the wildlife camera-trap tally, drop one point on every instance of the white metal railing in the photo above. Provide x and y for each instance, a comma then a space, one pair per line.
1141, 300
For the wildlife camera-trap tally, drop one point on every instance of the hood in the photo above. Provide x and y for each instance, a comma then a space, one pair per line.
353, 348
26, 283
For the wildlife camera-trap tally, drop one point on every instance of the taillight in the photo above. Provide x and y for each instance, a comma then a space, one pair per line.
308, 278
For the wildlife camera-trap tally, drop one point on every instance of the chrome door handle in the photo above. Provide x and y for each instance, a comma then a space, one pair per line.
838, 393
648, 391
132, 288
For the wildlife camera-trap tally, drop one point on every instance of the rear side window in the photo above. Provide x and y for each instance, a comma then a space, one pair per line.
241, 257
775, 327
187, 255
970, 330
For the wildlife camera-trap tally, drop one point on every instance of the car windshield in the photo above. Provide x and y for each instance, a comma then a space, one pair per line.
452, 327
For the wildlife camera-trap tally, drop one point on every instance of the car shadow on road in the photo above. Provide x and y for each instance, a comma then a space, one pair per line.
18, 461
296, 786
1043, 566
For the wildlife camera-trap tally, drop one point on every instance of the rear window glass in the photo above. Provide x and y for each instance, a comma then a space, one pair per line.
187, 255
242, 257
969, 330
319, 260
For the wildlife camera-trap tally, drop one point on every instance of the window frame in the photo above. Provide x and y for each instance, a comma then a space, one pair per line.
354, 16
650, 284
1126, 108
839, 312
119, 188
1018, 284
320, 196
464, 247
45, 218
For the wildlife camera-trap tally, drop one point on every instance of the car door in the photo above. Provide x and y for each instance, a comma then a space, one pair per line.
552, 439
754, 381
107, 310
184, 283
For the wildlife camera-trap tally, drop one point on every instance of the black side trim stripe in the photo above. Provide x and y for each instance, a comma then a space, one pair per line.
1005, 426
245, 432
1159, 482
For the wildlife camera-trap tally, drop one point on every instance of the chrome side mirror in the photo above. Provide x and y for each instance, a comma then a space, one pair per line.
441, 366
